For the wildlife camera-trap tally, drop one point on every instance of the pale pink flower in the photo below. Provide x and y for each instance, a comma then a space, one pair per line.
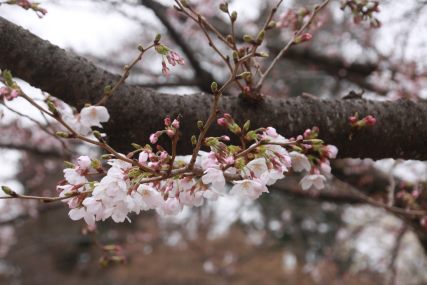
81, 213
94, 116
150, 196
255, 168
315, 180
249, 188
300, 162
215, 177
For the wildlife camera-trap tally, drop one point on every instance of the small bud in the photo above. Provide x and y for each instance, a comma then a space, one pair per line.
214, 87
251, 136
200, 124
245, 75
52, 108
158, 37
224, 7
8, 191
106, 156
248, 39
185, 4
96, 164
97, 135
246, 126
235, 55
229, 39
262, 54
63, 135
141, 48
271, 25
136, 146
162, 49
193, 140
233, 16
7, 76
303, 38
260, 37
108, 89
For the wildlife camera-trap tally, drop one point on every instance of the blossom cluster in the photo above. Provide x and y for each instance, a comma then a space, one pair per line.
172, 57
154, 179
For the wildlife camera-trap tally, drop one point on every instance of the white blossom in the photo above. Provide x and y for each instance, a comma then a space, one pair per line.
316, 180
300, 162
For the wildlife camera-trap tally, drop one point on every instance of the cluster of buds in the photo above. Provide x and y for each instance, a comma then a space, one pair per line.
28, 5
363, 10
9, 93
293, 19
172, 57
113, 254
228, 122
171, 130
357, 123
11, 90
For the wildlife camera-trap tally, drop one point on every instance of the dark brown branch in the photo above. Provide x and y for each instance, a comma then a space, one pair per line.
401, 131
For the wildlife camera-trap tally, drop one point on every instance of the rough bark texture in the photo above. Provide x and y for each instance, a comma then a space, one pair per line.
401, 131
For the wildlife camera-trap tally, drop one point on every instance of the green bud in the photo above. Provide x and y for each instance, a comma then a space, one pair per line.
162, 49
97, 135
108, 89
193, 140
271, 25
7, 76
251, 135
8, 191
214, 87
248, 39
235, 55
260, 37
63, 135
239, 163
262, 54
245, 75
106, 156
96, 164
234, 128
316, 141
233, 16
224, 7
157, 38
136, 146
52, 108
200, 124
185, 4
141, 48
68, 164
246, 126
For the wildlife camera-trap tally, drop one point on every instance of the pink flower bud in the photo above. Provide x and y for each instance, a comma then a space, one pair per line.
175, 124
370, 120
222, 122
167, 121
352, 120
154, 138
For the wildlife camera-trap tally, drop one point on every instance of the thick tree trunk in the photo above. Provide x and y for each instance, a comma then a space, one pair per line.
401, 131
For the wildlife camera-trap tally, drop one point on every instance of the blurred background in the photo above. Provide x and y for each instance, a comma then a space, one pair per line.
346, 234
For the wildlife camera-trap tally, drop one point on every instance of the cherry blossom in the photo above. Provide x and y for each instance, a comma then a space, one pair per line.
314, 180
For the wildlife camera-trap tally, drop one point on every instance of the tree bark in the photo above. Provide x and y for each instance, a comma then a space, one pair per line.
401, 131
